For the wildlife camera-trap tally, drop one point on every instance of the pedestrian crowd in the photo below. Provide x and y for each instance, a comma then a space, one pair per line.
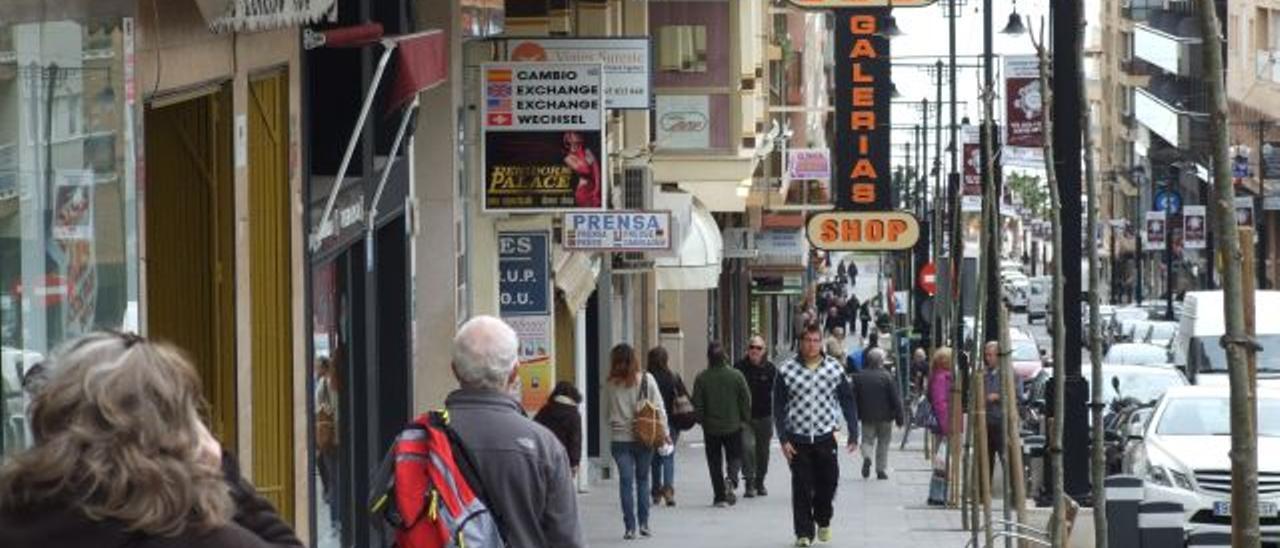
123, 457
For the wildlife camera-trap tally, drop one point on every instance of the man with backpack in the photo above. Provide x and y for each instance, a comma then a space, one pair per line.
518, 469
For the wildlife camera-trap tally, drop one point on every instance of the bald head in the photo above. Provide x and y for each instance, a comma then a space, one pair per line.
485, 351
874, 358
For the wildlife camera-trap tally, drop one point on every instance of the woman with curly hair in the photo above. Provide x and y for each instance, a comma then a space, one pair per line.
122, 459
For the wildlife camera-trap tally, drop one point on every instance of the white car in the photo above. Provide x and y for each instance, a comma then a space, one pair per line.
1183, 454
1137, 354
1017, 292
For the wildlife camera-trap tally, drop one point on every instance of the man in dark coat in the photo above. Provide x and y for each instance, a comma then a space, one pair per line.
879, 407
760, 373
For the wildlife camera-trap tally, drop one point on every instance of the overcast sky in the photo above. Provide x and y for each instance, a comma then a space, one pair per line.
925, 31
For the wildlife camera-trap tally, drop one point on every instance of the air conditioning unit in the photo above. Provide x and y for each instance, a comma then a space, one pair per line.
637, 194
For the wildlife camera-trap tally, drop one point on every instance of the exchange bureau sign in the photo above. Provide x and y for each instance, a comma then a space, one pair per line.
524, 283
618, 231
543, 139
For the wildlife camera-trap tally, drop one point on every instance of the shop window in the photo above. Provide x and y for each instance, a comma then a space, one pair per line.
682, 48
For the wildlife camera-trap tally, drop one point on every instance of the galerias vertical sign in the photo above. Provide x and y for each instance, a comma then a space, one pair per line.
863, 98
864, 220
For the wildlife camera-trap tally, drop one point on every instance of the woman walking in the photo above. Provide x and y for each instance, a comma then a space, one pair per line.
940, 379
560, 415
122, 459
629, 387
670, 385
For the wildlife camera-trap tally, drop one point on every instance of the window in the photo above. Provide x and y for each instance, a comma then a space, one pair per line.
682, 48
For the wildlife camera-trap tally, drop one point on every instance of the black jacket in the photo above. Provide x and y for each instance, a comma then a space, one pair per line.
667, 382
877, 395
256, 525
760, 381
563, 420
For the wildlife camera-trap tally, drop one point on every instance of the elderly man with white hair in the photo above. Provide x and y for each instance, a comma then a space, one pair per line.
879, 407
521, 463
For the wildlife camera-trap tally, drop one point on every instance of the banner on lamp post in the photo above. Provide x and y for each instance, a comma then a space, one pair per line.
1194, 223
1155, 232
1244, 211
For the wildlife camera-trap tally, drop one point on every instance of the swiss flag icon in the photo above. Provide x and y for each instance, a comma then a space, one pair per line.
500, 118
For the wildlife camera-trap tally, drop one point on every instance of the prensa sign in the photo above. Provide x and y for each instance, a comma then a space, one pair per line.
618, 231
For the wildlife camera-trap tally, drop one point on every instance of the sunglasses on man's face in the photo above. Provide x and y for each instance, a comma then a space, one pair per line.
756, 347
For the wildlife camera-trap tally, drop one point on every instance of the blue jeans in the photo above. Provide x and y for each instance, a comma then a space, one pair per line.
664, 468
633, 480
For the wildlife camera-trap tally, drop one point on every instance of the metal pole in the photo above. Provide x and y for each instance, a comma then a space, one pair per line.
1259, 214
1139, 228
990, 254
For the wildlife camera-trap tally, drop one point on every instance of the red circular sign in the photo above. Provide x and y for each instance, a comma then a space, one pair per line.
928, 279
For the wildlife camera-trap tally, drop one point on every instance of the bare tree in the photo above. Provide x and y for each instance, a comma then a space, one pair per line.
1057, 533
1098, 466
1241, 348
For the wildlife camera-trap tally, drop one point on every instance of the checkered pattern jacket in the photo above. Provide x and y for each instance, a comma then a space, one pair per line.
810, 402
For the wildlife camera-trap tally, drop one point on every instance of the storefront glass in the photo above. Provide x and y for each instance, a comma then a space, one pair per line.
68, 228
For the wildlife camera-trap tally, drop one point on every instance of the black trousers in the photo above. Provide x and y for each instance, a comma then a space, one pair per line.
815, 472
995, 444
723, 448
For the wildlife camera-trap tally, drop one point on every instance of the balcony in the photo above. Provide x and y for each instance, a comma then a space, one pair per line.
1174, 112
1170, 42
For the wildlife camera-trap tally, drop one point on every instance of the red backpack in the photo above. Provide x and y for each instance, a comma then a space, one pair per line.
428, 493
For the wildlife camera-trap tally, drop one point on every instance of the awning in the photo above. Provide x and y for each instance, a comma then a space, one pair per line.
258, 15
575, 275
696, 264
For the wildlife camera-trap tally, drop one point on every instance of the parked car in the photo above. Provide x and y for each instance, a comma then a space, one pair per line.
1129, 392
1183, 453
1202, 326
1159, 333
1038, 297
1025, 358
1137, 354
1017, 293
1122, 320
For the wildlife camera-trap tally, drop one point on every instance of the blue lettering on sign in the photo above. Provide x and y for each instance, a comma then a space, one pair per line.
615, 221
524, 275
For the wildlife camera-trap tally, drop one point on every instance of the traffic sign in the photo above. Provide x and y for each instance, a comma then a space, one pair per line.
1168, 201
928, 279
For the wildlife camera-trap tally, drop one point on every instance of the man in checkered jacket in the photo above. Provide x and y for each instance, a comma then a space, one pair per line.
810, 395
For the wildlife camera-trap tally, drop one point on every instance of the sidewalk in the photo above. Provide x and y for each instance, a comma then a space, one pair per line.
888, 513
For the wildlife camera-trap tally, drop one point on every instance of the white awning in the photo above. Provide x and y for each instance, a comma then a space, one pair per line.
575, 274
696, 263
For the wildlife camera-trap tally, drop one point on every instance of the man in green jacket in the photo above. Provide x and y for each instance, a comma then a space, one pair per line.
723, 404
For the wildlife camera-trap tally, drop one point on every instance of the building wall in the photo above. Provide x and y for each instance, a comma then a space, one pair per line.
177, 53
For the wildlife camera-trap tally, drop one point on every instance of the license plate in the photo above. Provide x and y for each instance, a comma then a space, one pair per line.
1266, 509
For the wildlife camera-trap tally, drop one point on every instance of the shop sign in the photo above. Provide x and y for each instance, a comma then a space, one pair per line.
809, 164
543, 137
828, 4
781, 247
739, 243
618, 231
1194, 227
683, 122
626, 63
863, 231
537, 376
524, 283
1271, 195
1155, 230
862, 174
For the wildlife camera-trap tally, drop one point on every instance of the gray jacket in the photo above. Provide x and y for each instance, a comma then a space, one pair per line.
524, 468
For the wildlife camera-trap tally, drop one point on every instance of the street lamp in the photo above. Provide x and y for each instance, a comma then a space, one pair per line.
889, 28
1015, 26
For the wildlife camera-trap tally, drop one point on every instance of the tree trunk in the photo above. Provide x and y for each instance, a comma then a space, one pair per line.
1245, 530
1099, 464
1057, 533
954, 477
1015, 480
989, 243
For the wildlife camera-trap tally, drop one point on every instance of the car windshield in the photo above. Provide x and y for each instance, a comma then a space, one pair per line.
1025, 351
1143, 384
1212, 417
1137, 354
1211, 356
1124, 314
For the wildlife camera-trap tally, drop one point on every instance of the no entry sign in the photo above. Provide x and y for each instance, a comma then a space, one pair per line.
928, 279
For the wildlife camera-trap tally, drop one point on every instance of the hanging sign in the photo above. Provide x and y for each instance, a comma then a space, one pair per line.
524, 282
809, 164
1024, 112
1193, 227
626, 63
1155, 230
863, 181
543, 137
618, 231
863, 230
1244, 211
829, 4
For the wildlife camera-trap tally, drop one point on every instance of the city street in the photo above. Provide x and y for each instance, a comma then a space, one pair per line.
888, 514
